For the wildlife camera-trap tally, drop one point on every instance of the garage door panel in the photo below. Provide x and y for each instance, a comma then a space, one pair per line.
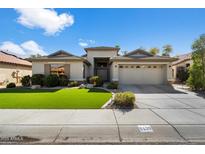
142, 75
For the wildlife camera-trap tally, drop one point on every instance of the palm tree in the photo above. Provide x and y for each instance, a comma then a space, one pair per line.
154, 51
167, 49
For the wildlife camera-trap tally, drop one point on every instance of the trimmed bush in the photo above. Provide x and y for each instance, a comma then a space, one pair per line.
96, 81
52, 80
112, 85
38, 79
74, 84
26, 81
124, 100
11, 85
63, 80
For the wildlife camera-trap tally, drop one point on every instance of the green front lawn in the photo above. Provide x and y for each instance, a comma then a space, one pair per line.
53, 99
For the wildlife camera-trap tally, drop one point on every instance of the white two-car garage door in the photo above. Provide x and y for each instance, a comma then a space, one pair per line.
141, 74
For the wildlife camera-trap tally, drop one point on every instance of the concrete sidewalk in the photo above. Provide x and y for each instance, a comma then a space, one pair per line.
168, 126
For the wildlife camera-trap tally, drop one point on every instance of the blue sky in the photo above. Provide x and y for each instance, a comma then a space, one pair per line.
129, 28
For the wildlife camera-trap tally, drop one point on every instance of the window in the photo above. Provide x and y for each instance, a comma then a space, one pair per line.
57, 69
120, 66
101, 64
137, 66
149, 66
154, 66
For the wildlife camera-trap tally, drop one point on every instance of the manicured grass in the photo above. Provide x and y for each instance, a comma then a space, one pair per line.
53, 99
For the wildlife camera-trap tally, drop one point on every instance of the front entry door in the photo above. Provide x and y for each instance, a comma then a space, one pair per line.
103, 73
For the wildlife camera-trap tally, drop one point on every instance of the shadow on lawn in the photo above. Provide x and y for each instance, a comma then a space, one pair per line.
96, 90
27, 90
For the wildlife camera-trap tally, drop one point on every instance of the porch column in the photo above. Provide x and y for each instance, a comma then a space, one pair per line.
47, 68
115, 71
169, 72
67, 70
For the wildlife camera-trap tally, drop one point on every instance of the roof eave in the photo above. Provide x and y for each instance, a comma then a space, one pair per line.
10, 63
58, 60
176, 63
101, 49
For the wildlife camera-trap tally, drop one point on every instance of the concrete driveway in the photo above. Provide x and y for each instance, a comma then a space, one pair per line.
164, 97
165, 116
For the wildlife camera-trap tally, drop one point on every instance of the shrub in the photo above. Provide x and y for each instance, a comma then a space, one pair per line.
124, 100
63, 80
96, 81
182, 74
52, 80
195, 80
74, 84
37, 79
11, 85
26, 81
112, 85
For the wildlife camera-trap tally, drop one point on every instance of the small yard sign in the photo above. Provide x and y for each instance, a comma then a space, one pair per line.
145, 128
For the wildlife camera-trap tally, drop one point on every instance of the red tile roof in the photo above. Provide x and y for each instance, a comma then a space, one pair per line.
12, 59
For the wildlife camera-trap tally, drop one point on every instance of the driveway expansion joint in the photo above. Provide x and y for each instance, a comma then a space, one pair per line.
170, 125
196, 113
179, 101
57, 136
118, 128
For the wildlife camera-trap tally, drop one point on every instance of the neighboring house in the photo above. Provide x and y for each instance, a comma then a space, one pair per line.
136, 67
183, 63
13, 68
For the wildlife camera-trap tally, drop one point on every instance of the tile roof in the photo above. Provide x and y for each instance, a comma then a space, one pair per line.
138, 51
182, 58
12, 59
60, 55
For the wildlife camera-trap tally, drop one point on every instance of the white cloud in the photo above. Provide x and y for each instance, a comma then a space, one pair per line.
22, 50
32, 48
92, 41
12, 48
47, 19
85, 43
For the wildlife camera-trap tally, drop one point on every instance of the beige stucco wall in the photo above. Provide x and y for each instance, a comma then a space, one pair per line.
86, 71
37, 68
6, 71
76, 69
166, 69
101, 54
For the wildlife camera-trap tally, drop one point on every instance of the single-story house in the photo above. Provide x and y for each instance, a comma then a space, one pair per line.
183, 62
13, 68
136, 67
